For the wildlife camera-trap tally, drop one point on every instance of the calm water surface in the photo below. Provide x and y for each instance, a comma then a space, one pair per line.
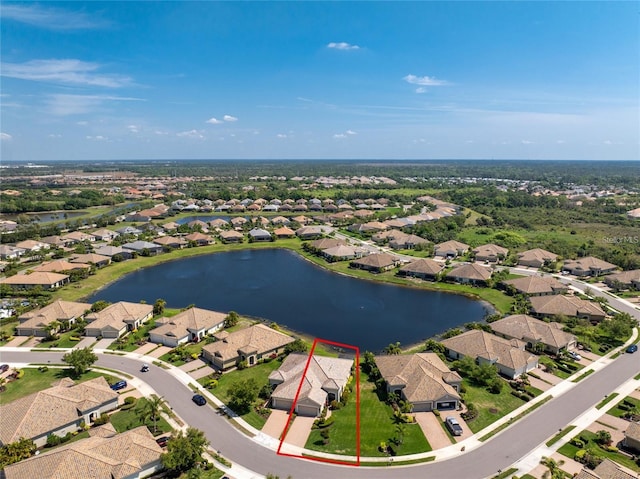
280, 286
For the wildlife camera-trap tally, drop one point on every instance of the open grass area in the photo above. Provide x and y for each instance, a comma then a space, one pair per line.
569, 450
124, 420
376, 426
35, 380
130, 341
64, 340
491, 407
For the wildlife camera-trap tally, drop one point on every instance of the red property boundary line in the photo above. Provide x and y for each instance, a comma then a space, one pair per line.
295, 401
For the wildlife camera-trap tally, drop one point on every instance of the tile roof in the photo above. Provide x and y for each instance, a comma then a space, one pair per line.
471, 271
480, 344
452, 245
537, 254
36, 277
567, 305
588, 263
89, 258
192, 319
60, 265
380, 260
57, 311
633, 431
490, 250
423, 266
258, 338
47, 410
526, 328
424, 376
626, 277
536, 285
116, 315
323, 373
108, 456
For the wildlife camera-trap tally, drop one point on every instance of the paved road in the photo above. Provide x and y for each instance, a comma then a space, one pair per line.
498, 453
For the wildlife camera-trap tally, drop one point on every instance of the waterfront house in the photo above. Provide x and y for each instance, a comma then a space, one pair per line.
423, 268
534, 331
190, 325
376, 263
536, 285
118, 318
35, 279
471, 273
37, 321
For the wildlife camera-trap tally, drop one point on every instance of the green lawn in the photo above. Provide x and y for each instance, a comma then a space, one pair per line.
569, 450
376, 426
63, 341
491, 407
617, 411
128, 419
34, 380
130, 341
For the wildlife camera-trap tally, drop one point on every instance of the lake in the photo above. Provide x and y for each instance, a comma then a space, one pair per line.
281, 286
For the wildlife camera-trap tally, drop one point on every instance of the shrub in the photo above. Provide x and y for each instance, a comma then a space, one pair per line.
53, 440
20, 373
43, 369
436, 412
577, 442
130, 400
242, 365
103, 419
611, 449
211, 384
579, 456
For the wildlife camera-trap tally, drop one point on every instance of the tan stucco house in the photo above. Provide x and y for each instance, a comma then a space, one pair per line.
118, 318
190, 325
534, 331
34, 323
571, 306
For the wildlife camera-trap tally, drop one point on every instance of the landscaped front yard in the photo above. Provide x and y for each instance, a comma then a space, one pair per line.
376, 426
592, 447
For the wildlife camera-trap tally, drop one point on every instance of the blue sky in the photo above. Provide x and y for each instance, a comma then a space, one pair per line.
391, 80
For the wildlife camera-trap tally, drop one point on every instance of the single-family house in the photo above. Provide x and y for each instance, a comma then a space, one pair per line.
56, 241
33, 246
118, 318
423, 268
190, 325
10, 252
35, 279
129, 230
61, 266
325, 243
132, 454
376, 263
171, 242
231, 236
97, 260
588, 266
422, 379
309, 232
143, 247
198, 225
624, 280
200, 239
491, 253
56, 410
450, 249
259, 234
238, 221
470, 273
536, 285
112, 251
536, 258
104, 234
607, 469
36, 322
407, 242
508, 355
571, 306
78, 237
249, 345
323, 380
632, 436
284, 232
218, 223
342, 253
534, 331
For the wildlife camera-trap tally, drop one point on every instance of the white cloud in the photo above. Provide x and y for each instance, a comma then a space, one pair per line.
281, 136
97, 138
161, 133
421, 89
133, 128
5, 136
195, 134
54, 135
65, 104
66, 71
214, 121
51, 18
342, 46
560, 142
229, 118
608, 142
340, 136
424, 81
82, 123
351, 132
526, 142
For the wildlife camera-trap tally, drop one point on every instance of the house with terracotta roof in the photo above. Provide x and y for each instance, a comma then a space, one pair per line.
133, 454
570, 306
491, 253
536, 285
323, 381
422, 379
66, 313
249, 345
35, 279
201, 239
534, 331
57, 410
536, 258
470, 273
451, 249
284, 232
190, 325
324, 243
588, 266
175, 242
424, 268
118, 318
376, 263
508, 355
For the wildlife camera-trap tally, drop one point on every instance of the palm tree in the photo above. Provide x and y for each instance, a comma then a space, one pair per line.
149, 409
392, 349
158, 307
554, 471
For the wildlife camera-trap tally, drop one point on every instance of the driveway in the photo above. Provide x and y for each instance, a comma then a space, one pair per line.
85, 342
430, 425
275, 423
162, 350
103, 343
202, 372
146, 348
193, 365
17, 341
299, 431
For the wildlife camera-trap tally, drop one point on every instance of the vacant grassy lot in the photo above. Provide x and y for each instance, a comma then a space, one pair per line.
34, 381
376, 426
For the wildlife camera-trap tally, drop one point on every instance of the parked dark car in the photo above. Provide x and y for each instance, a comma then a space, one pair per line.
632, 348
199, 400
4, 367
119, 385
453, 425
162, 441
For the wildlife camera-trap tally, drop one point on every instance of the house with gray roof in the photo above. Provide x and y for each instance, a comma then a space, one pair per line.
140, 247
320, 383
259, 234
57, 410
112, 251
105, 454
250, 345
534, 331
422, 379
508, 355
190, 325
